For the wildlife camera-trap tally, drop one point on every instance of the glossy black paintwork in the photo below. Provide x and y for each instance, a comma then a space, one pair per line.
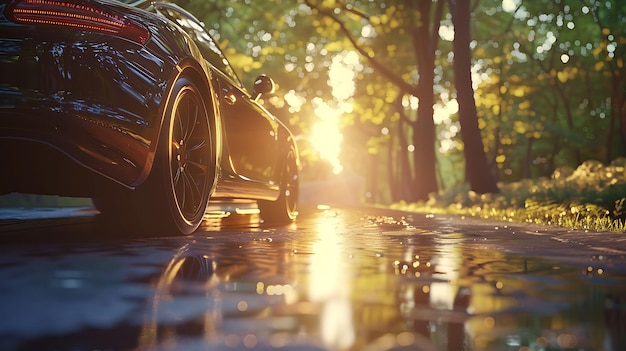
94, 97
98, 99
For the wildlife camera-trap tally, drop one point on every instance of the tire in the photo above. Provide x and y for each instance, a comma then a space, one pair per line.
284, 209
175, 196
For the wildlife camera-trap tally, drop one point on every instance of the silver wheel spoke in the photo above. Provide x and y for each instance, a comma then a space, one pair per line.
198, 144
190, 153
192, 191
198, 169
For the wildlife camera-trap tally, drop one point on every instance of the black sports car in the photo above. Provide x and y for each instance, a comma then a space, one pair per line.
135, 106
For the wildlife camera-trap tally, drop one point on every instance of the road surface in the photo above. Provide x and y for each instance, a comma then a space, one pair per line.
337, 279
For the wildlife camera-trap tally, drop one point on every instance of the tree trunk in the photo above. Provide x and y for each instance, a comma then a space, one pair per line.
477, 171
393, 174
406, 176
528, 164
425, 40
618, 106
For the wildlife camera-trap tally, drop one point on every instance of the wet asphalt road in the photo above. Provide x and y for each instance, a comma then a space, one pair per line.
338, 279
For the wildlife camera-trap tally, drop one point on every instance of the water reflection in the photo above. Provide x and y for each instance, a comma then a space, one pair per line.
329, 272
325, 285
383, 288
334, 282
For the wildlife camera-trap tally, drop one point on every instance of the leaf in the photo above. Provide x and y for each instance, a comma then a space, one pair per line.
598, 66
519, 91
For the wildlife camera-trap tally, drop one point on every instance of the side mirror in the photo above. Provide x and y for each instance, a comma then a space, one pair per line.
263, 85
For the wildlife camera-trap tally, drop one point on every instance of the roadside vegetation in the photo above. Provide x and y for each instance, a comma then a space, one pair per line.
590, 197
16, 200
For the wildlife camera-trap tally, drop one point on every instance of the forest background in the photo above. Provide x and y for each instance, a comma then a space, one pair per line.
477, 104
427, 97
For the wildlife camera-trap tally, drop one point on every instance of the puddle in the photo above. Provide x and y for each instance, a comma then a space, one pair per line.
335, 282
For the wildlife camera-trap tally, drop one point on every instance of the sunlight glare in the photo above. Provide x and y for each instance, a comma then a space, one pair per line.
341, 75
329, 285
294, 101
443, 291
443, 112
441, 116
509, 5
411, 102
446, 33
326, 137
368, 31
325, 134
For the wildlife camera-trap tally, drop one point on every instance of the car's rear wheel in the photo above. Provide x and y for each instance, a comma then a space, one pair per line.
284, 209
185, 165
174, 198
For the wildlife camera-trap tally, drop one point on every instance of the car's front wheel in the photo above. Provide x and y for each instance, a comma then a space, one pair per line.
284, 209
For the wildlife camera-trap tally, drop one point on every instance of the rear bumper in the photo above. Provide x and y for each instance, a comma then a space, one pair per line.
93, 98
107, 150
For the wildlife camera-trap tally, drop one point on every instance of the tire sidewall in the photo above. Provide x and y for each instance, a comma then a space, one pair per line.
284, 209
163, 177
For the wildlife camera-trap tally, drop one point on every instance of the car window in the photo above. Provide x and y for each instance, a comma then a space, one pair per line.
207, 45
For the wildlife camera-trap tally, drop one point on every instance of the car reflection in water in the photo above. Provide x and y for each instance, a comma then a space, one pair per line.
337, 281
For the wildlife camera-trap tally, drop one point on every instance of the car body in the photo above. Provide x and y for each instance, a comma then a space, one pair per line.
135, 106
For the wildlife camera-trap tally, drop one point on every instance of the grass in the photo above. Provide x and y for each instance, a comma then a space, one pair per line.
47, 201
590, 197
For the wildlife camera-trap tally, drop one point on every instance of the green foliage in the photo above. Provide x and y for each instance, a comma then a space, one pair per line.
549, 77
592, 196
42, 201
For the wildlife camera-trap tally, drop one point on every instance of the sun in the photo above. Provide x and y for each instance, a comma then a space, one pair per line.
325, 135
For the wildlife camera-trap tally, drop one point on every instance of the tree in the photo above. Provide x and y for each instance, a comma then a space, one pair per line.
417, 22
477, 170
610, 16
425, 39
545, 97
548, 82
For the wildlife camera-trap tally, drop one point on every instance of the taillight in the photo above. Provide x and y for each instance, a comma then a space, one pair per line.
77, 14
